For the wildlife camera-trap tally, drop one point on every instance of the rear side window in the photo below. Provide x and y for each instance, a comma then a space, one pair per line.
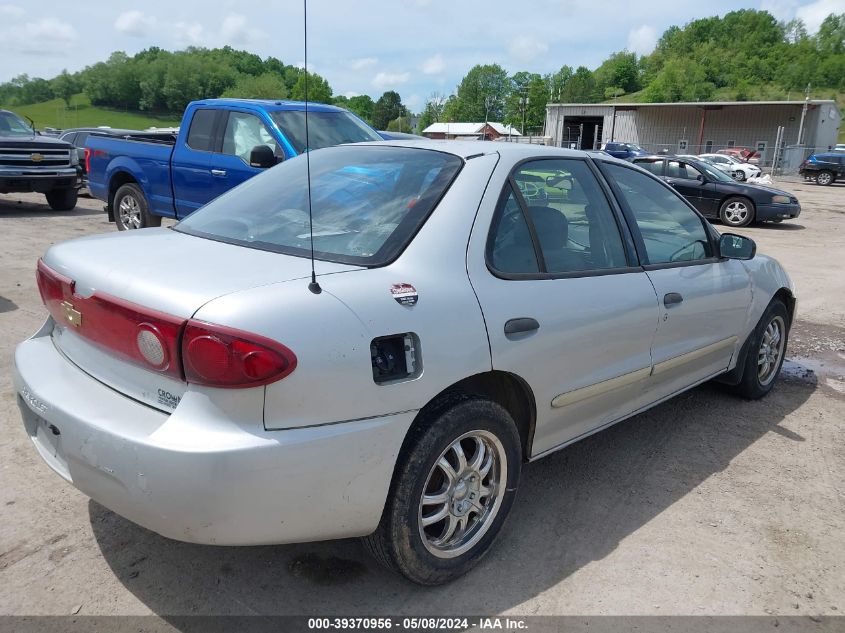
671, 231
559, 222
200, 133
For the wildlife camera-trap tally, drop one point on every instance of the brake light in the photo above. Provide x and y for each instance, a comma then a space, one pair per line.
87, 161
218, 356
212, 355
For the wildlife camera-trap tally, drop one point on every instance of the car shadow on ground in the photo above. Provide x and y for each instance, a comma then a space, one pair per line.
781, 226
573, 507
11, 208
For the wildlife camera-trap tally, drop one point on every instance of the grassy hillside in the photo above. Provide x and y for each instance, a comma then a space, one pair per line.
82, 114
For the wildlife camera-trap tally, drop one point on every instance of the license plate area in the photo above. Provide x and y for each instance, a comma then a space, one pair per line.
46, 437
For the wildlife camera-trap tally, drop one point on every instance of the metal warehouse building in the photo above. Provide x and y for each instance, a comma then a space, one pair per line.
695, 128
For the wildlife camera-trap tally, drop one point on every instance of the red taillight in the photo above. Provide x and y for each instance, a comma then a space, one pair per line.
87, 161
218, 356
212, 355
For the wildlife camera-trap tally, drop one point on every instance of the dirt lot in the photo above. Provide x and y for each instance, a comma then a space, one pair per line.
704, 505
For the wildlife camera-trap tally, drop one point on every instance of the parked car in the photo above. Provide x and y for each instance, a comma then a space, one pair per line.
823, 169
731, 165
399, 136
717, 195
839, 147
742, 153
450, 333
221, 143
41, 164
79, 136
625, 151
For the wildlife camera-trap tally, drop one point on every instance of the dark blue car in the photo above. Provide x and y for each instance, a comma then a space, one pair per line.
625, 151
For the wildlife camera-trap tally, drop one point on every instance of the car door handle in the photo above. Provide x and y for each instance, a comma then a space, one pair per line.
218, 172
522, 324
672, 298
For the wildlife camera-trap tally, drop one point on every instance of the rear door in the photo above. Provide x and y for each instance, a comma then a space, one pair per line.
190, 165
567, 309
704, 301
241, 132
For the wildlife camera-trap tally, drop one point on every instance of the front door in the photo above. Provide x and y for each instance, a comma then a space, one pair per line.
566, 308
692, 185
703, 300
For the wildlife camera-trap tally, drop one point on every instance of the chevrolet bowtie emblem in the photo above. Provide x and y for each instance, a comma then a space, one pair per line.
36, 158
74, 316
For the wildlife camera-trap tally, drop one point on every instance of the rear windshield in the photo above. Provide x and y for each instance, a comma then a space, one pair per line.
367, 201
325, 129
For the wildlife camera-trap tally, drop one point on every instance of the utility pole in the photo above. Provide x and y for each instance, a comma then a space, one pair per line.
804, 114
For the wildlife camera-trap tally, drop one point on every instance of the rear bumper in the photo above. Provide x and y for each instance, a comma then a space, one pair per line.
196, 474
18, 180
778, 211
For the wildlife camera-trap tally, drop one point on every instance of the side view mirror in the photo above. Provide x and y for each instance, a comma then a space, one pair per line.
262, 157
735, 246
699, 178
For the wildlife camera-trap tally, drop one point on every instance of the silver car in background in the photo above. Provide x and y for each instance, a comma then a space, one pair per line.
476, 306
732, 166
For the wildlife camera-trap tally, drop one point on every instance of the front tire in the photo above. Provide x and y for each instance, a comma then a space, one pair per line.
62, 199
824, 178
131, 210
739, 175
454, 485
737, 212
765, 352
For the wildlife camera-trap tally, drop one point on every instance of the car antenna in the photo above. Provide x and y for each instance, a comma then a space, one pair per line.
313, 286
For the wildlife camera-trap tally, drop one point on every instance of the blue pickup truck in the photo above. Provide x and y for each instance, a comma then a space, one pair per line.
220, 144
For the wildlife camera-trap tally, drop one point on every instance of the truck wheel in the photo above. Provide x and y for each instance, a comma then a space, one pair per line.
737, 211
824, 177
766, 350
452, 490
62, 199
131, 210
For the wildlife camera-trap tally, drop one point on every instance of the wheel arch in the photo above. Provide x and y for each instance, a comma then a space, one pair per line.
118, 179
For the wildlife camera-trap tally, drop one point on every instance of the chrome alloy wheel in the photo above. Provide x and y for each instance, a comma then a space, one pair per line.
771, 350
462, 494
736, 212
129, 212
824, 178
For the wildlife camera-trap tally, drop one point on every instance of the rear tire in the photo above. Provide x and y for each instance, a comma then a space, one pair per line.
737, 212
765, 352
62, 199
131, 210
468, 492
824, 178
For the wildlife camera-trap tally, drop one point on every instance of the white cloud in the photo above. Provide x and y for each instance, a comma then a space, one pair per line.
189, 33
135, 23
814, 13
235, 30
642, 39
525, 48
48, 36
413, 103
434, 65
11, 11
363, 62
390, 80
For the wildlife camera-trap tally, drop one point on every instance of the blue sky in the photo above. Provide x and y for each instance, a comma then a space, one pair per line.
415, 47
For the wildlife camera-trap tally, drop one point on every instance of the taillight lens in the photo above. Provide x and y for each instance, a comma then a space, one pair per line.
217, 356
212, 355
87, 161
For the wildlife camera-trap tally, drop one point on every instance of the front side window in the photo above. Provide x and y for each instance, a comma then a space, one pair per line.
243, 133
367, 202
677, 169
563, 205
671, 231
325, 129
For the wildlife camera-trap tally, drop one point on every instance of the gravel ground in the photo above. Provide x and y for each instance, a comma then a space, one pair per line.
704, 505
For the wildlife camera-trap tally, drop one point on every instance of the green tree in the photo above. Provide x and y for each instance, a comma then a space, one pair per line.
432, 111
482, 94
266, 86
388, 107
363, 106
620, 70
319, 90
64, 86
581, 87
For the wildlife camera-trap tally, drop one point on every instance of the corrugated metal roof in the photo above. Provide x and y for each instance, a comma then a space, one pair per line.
696, 104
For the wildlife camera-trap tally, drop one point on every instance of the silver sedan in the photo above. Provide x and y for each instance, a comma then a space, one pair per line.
473, 306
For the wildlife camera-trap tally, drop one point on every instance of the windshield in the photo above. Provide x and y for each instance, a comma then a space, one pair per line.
714, 173
325, 129
13, 125
367, 202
